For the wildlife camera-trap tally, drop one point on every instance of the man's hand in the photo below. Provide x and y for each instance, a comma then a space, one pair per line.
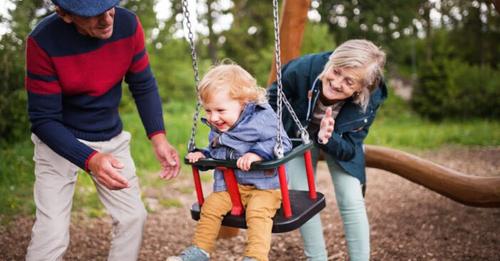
326, 127
195, 156
246, 160
106, 169
166, 155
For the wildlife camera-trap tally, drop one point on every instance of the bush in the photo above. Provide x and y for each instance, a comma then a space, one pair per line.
455, 89
449, 87
13, 111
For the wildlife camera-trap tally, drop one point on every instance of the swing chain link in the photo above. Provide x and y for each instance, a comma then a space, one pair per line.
278, 150
194, 59
304, 135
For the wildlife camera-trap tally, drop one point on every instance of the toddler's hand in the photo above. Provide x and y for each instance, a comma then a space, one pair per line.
195, 156
246, 160
326, 127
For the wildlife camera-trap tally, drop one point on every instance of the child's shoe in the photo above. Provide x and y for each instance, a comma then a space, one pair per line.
191, 253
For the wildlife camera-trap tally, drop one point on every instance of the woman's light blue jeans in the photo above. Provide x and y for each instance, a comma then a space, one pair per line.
351, 206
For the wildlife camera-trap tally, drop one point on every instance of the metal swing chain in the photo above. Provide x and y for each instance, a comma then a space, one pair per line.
194, 59
303, 132
278, 150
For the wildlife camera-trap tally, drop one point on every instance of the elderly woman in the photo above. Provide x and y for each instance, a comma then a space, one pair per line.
335, 95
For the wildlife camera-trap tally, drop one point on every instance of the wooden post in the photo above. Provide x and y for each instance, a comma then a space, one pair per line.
496, 3
292, 24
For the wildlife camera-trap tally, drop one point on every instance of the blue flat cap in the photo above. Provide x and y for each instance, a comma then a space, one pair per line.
86, 8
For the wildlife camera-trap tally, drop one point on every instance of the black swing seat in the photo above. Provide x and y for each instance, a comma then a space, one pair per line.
303, 207
298, 149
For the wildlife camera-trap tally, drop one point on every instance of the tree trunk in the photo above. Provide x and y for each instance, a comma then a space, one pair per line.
292, 23
212, 38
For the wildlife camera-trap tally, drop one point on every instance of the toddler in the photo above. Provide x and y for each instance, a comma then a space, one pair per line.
243, 128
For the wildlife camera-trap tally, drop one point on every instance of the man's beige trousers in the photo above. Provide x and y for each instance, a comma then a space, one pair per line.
53, 193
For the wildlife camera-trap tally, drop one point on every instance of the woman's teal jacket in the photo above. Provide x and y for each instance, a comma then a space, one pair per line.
302, 88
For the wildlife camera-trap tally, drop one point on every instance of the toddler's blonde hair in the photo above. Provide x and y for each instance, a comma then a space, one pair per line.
241, 85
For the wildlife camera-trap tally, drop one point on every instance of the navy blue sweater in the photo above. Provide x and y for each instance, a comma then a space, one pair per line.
74, 84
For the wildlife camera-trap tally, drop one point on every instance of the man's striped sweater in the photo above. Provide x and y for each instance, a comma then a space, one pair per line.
74, 84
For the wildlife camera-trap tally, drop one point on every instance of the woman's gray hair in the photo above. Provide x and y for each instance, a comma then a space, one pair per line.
359, 54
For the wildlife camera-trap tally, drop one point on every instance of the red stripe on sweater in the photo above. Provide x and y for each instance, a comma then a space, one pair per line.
41, 87
139, 37
140, 64
38, 62
96, 72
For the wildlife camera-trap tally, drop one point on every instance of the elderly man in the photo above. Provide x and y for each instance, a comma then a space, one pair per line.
76, 61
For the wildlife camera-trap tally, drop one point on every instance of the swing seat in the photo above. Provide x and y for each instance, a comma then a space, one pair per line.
297, 206
303, 208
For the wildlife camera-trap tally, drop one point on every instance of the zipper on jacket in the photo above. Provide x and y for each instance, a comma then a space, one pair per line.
312, 92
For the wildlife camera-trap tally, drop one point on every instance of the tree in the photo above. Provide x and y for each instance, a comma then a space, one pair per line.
13, 114
250, 40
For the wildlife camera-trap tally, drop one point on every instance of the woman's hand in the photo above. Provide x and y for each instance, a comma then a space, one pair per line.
246, 160
195, 156
326, 127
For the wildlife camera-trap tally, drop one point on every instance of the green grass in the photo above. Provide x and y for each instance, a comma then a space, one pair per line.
417, 134
170, 203
86, 199
178, 121
16, 179
396, 127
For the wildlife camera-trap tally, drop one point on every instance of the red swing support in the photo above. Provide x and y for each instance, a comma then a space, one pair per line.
232, 186
297, 206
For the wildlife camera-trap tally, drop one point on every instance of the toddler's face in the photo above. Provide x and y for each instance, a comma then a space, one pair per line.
222, 111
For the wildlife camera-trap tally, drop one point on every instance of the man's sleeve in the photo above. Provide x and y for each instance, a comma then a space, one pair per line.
45, 107
144, 88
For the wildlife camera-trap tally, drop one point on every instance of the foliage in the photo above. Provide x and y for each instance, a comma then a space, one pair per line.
144, 9
450, 88
382, 22
476, 30
16, 178
13, 113
317, 38
397, 126
250, 40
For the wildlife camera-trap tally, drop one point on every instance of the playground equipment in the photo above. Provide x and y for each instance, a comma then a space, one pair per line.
297, 206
